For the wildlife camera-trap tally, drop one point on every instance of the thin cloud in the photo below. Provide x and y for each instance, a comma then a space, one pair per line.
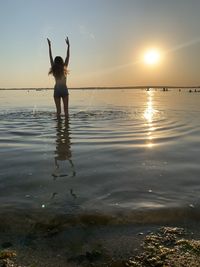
184, 45
84, 31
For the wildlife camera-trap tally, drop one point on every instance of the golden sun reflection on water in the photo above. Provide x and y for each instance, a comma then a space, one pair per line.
148, 115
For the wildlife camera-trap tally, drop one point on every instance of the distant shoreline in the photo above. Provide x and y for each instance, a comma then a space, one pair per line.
107, 88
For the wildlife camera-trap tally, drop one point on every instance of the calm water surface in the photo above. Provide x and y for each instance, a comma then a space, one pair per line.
120, 150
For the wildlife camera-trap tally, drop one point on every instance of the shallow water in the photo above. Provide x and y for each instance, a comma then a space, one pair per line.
119, 151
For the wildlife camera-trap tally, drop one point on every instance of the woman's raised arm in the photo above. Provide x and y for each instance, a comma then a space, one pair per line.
68, 52
50, 52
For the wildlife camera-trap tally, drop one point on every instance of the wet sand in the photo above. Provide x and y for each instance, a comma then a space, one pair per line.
113, 246
99, 240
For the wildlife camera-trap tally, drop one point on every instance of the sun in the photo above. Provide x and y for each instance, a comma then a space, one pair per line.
152, 57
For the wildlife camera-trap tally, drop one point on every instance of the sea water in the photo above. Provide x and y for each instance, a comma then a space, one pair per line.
127, 152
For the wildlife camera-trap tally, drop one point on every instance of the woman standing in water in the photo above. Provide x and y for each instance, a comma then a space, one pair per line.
59, 71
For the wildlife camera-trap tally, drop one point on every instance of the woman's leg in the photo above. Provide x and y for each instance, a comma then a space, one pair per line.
65, 104
58, 105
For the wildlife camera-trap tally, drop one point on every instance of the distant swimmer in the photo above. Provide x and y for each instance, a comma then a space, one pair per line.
59, 71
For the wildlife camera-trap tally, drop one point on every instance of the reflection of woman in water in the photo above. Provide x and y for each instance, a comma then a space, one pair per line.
63, 147
59, 71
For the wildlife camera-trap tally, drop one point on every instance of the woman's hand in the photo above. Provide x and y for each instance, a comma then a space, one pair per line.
67, 41
49, 42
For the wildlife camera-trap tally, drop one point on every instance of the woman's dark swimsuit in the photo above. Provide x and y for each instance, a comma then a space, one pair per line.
60, 90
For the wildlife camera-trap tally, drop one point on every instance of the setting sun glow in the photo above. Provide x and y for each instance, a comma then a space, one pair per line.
152, 57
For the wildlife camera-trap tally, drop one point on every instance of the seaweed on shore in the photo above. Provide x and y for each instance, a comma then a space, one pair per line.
7, 258
166, 248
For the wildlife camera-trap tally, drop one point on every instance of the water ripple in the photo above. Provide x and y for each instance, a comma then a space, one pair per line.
116, 157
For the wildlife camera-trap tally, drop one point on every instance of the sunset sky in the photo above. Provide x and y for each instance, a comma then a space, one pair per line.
108, 41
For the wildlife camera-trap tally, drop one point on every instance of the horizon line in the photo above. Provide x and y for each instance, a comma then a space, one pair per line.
104, 87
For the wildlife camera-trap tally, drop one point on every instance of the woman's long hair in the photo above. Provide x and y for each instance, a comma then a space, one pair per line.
58, 69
